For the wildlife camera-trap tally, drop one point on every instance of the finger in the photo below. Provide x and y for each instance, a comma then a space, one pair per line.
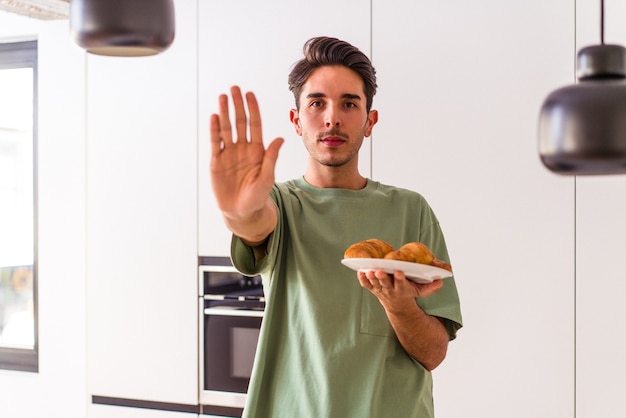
381, 274
271, 156
225, 133
436, 285
385, 282
216, 141
256, 131
241, 120
374, 282
367, 279
428, 289
363, 281
399, 275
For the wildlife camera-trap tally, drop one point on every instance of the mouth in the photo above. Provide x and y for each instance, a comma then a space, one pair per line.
333, 141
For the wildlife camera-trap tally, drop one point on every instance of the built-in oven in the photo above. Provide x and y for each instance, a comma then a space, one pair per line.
231, 311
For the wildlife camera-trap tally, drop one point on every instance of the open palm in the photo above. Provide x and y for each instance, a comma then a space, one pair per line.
242, 170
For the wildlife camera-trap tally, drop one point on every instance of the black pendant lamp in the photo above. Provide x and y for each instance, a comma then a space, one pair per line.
122, 28
582, 127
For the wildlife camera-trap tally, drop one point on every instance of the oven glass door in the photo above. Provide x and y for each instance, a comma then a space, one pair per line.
230, 340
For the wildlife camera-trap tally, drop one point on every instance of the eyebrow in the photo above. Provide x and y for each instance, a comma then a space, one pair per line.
343, 96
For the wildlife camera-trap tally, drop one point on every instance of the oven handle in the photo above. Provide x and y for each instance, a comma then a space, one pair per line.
238, 298
233, 312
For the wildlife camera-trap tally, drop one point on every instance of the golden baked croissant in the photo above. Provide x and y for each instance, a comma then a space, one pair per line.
370, 248
413, 252
442, 264
416, 252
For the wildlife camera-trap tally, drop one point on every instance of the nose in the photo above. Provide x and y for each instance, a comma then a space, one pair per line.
332, 118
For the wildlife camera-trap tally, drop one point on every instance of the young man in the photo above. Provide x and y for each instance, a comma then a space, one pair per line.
331, 344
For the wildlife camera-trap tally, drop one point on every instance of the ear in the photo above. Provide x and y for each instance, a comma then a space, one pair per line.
295, 119
372, 118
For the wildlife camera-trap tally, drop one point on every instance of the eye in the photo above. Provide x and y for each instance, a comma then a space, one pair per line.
350, 104
315, 103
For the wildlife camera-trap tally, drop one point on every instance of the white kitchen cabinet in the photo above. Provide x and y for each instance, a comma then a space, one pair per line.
57, 390
142, 222
461, 85
460, 90
600, 290
109, 411
230, 53
600, 249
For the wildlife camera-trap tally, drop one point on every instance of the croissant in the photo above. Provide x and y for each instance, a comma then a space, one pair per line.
416, 252
442, 264
371, 248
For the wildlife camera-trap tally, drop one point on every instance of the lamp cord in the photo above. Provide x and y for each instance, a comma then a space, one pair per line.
602, 22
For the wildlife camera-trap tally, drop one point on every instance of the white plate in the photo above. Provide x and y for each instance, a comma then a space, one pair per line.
419, 273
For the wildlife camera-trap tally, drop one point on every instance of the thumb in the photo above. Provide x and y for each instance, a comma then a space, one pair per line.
271, 156
430, 288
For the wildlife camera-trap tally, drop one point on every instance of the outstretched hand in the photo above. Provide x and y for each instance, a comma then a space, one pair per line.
242, 170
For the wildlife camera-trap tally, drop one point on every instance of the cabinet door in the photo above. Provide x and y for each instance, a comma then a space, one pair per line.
141, 222
254, 45
461, 88
600, 249
600, 290
107, 411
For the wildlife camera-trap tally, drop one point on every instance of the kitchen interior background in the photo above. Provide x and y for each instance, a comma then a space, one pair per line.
125, 207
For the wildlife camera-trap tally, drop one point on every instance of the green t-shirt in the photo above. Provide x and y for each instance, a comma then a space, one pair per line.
326, 348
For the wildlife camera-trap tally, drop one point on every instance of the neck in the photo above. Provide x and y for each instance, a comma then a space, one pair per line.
335, 177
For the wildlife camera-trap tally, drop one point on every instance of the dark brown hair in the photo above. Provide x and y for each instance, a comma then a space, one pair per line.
322, 51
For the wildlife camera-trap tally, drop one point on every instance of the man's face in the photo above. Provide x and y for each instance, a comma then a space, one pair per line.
332, 118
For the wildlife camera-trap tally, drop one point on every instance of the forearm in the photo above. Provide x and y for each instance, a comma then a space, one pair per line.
253, 228
423, 336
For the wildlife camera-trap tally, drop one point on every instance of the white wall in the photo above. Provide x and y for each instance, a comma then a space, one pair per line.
142, 221
461, 85
59, 389
600, 249
261, 64
536, 255
15, 28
